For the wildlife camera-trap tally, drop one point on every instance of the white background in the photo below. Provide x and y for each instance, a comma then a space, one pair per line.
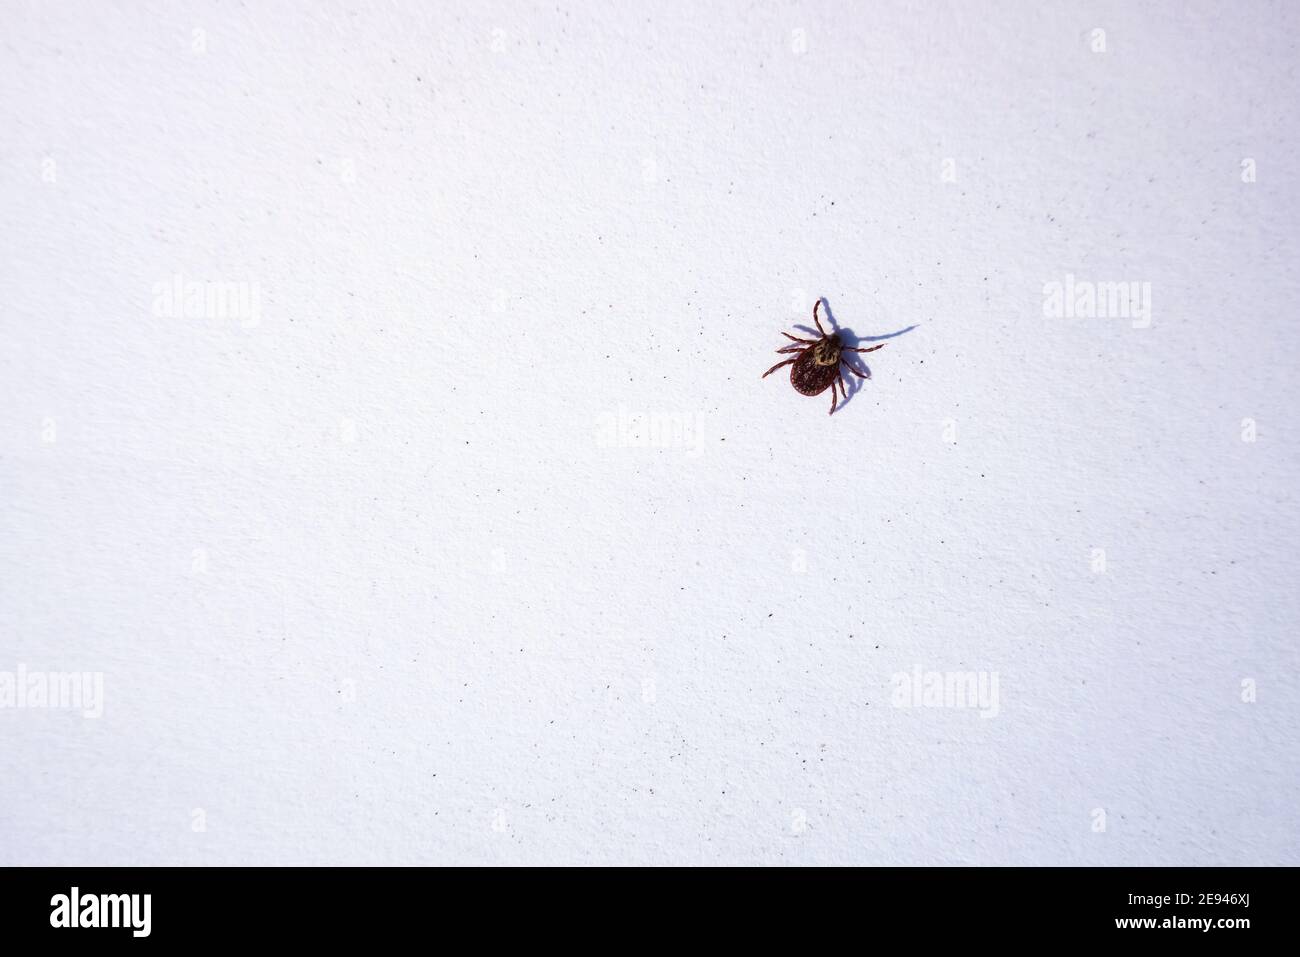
373, 578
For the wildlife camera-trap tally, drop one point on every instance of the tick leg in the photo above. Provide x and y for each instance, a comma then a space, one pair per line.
849, 365
817, 305
775, 367
872, 349
843, 390
797, 339
834, 399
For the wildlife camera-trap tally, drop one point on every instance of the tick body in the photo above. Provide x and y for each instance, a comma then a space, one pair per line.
819, 362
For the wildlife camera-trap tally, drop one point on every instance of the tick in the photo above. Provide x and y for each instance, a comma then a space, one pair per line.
818, 362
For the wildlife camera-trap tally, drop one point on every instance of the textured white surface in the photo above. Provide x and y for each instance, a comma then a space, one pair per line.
378, 577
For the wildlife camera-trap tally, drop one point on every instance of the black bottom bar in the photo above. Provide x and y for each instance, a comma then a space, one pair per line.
337, 907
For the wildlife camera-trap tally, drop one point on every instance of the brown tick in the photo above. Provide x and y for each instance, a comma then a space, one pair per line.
818, 363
